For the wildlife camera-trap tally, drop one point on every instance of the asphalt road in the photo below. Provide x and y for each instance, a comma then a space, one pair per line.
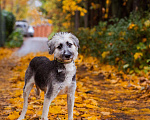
33, 45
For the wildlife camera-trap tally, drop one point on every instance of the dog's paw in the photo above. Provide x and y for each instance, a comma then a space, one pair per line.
20, 118
70, 118
44, 118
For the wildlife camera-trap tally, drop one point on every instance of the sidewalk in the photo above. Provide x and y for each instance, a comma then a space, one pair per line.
34, 45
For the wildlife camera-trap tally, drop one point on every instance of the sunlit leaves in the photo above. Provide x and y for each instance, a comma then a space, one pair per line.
147, 23
5, 53
138, 55
18, 7
102, 92
14, 115
126, 42
94, 6
131, 26
104, 54
72, 6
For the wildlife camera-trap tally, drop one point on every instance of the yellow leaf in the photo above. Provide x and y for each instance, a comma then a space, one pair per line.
147, 23
145, 110
30, 111
14, 115
104, 54
144, 39
18, 93
82, 13
106, 16
75, 112
39, 112
79, 105
91, 106
105, 113
61, 102
12, 100
7, 108
50, 21
30, 107
33, 98
92, 118
91, 101
19, 106
86, 115
55, 109
138, 55
131, 25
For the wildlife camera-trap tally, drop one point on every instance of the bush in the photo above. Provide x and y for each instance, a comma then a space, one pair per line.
15, 39
9, 21
124, 42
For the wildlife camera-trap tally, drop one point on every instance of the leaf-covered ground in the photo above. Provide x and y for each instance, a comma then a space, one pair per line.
102, 93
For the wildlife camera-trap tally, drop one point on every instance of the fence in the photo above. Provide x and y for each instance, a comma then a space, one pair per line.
42, 30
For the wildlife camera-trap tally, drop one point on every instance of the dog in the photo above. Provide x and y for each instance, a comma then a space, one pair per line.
53, 77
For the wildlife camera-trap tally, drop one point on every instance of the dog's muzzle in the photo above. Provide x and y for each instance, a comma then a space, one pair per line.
67, 55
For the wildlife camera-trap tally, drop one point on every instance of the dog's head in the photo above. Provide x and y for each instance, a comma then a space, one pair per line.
64, 46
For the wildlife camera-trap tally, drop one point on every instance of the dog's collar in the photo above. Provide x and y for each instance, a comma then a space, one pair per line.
63, 61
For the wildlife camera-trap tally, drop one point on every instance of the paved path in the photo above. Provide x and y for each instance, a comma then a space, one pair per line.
33, 45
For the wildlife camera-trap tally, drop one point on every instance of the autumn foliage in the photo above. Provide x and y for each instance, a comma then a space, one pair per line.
113, 67
102, 91
125, 43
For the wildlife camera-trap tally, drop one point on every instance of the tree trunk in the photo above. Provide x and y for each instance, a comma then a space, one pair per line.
135, 5
86, 15
77, 20
2, 33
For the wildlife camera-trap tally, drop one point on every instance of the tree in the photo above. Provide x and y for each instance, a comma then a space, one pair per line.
18, 7
71, 14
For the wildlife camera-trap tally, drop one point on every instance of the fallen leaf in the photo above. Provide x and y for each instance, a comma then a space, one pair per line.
105, 113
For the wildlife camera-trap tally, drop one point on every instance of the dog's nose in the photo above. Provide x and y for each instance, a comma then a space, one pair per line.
67, 55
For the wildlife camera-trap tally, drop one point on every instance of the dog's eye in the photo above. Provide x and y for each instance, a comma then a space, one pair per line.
69, 44
60, 46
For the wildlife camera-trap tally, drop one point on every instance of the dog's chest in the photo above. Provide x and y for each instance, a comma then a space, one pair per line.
70, 71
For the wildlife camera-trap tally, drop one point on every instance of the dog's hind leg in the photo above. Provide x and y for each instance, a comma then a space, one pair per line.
29, 82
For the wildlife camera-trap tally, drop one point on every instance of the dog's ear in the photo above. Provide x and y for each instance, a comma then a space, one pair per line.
75, 40
51, 46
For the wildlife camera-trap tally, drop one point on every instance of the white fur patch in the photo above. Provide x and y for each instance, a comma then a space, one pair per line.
60, 70
70, 72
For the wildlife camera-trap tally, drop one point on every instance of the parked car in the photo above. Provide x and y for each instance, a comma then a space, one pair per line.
25, 28
30, 31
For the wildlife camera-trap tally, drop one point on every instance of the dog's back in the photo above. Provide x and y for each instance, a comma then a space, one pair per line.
36, 62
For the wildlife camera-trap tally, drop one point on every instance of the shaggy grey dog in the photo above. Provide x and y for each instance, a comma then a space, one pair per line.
53, 77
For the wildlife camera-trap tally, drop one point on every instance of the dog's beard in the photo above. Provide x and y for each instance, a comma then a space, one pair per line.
67, 61
64, 60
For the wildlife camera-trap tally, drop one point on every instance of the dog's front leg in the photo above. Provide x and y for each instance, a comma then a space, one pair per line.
70, 99
26, 92
51, 93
